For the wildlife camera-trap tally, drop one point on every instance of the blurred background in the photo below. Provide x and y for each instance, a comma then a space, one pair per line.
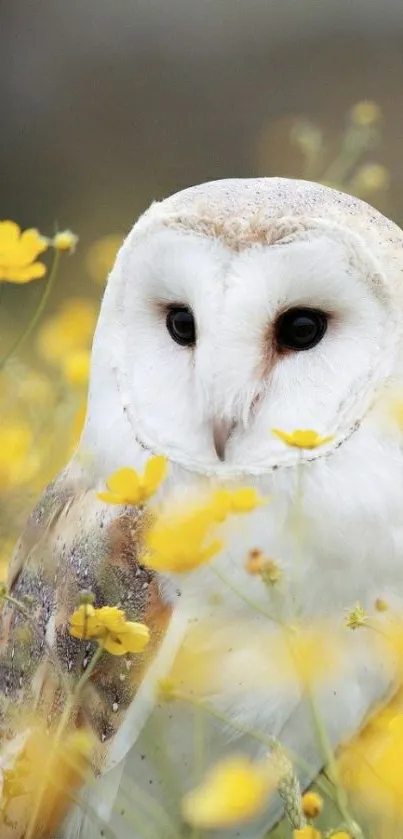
111, 104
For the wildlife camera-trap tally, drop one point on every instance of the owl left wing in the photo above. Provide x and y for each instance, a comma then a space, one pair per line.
74, 543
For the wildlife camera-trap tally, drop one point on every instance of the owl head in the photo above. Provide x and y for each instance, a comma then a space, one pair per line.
239, 306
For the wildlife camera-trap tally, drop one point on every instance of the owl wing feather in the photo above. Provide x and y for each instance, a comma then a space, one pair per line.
72, 542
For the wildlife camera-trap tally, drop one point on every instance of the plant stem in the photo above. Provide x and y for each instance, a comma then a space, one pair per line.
61, 728
39, 311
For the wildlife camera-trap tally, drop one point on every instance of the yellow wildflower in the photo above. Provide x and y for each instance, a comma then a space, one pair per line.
180, 544
76, 367
83, 623
45, 775
302, 439
341, 834
365, 113
126, 486
233, 791
312, 805
109, 626
18, 252
370, 764
180, 541
356, 618
65, 240
226, 502
307, 832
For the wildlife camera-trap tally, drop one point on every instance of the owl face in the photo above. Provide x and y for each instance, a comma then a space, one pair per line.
218, 345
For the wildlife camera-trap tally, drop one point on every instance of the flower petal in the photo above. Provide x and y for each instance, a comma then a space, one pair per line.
113, 644
125, 482
135, 636
233, 791
13, 274
31, 244
9, 234
154, 472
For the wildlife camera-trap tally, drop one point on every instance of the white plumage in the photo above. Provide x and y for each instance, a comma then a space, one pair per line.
239, 254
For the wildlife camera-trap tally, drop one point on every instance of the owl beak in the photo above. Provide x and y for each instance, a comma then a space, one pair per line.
222, 430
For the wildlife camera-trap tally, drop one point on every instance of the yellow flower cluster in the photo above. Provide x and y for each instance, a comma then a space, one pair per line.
108, 626
233, 791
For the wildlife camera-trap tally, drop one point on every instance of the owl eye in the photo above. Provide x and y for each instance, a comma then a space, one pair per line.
300, 329
181, 326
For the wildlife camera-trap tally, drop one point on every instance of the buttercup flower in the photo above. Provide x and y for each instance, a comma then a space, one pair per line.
65, 240
370, 764
83, 623
226, 502
307, 832
126, 486
181, 541
233, 791
181, 544
45, 775
312, 805
109, 626
301, 439
18, 252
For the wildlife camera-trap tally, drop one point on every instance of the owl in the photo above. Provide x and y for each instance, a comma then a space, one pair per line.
234, 308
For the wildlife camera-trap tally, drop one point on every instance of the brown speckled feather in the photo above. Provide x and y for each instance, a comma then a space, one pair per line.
74, 542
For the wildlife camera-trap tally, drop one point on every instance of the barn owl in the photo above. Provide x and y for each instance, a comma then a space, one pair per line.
234, 308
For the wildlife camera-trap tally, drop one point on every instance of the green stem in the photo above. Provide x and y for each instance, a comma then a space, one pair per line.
245, 598
267, 740
61, 728
37, 315
340, 796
